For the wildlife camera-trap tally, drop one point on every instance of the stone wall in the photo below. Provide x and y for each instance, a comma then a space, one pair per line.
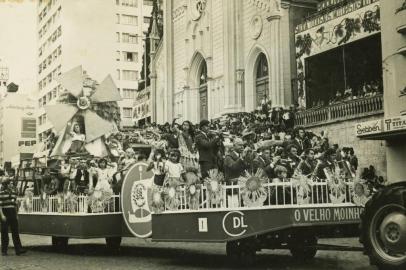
368, 152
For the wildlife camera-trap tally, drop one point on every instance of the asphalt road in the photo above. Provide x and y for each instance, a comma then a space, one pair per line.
143, 254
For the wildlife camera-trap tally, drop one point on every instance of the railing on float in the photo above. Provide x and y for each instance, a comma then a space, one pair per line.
56, 204
276, 195
341, 111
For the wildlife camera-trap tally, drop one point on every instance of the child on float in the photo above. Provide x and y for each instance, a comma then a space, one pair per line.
173, 169
78, 139
104, 175
156, 162
128, 158
282, 193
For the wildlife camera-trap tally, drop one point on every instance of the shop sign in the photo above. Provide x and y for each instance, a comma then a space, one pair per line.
368, 128
395, 124
334, 14
334, 214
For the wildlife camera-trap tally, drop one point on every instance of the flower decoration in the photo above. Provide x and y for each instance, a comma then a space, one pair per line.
71, 202
302, 184
192, 188
83, 103
253, 191
157, 204
44, 201
99, 200
214, 187
59, 202
171, 198
26, 204
360, 192
337, 186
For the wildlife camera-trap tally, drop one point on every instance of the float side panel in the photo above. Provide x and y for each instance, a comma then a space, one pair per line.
224, 226
91, 226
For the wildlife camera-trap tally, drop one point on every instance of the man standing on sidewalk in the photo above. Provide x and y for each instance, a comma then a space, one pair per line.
8, 216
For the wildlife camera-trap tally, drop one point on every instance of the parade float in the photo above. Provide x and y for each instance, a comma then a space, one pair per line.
251, 214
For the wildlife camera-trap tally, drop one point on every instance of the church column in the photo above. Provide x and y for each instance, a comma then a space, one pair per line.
229, 9
276, 63
168, 47
238, 18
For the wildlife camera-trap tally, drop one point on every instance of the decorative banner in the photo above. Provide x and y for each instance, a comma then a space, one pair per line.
332, 15
136, 198
355, 21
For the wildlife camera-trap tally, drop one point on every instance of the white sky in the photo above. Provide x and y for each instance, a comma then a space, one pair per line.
18, 48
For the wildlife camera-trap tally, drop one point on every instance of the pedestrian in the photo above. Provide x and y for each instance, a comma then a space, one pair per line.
8, 215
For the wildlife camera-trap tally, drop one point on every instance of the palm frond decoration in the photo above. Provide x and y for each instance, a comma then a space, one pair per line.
71, 202
336, 185
26, 204
157, 203
253, 190
99, 200
302, 185
192, 188
171, 198
214, 187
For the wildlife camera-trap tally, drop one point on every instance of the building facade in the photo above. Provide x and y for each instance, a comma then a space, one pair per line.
17, 127
105, 37
3, 78
226, 56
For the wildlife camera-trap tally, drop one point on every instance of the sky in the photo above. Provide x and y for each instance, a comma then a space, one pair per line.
18, 39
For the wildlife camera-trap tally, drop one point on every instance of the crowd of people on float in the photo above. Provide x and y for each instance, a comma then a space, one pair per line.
235, 144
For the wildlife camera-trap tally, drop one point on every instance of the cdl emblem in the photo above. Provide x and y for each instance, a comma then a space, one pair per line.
136, 199
234, 224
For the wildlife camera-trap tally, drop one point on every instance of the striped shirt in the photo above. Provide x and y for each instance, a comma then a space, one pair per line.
8, 198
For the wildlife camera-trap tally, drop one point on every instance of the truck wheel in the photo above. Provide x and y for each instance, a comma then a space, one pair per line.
60, 243
113, 243
304, 248
383, 228
241, 253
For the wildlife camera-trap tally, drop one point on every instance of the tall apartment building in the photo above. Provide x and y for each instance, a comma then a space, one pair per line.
132, 20
105, 37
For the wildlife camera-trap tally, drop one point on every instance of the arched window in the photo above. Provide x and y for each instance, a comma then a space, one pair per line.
261, 80
203, 91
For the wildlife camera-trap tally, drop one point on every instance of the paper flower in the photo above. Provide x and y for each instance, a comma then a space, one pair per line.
253, 191
214, 187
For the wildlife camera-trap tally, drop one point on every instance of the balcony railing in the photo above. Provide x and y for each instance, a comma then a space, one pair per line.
341, 111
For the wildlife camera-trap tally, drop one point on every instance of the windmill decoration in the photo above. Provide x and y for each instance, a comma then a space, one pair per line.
85, 99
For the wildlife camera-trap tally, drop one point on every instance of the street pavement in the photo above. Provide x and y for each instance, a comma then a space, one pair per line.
144, 254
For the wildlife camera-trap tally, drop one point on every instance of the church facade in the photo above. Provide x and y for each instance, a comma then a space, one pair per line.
225, 56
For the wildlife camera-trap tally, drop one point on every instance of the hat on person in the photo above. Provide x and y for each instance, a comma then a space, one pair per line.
203, 123
247, 133
5, 179
330, 152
